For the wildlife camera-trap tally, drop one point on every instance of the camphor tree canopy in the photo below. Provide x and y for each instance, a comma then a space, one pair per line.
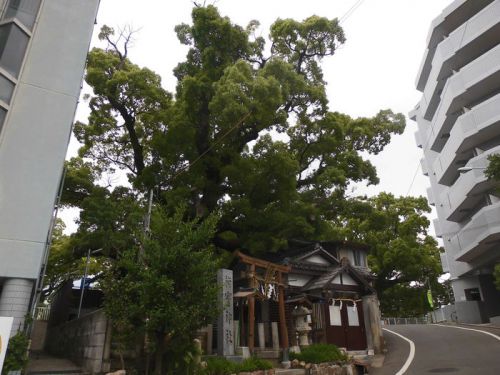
248, 136
214, 145
403, 256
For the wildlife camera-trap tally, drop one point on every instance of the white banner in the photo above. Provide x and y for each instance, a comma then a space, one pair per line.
5, 327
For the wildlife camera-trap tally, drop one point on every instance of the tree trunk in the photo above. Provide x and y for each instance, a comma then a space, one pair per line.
160, 349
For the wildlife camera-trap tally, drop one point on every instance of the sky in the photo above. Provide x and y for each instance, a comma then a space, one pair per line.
375, 69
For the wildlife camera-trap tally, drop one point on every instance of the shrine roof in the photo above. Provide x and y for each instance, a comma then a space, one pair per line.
325, 281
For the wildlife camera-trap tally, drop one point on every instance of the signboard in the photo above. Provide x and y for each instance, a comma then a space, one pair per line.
5, 327
429, 299
225, 338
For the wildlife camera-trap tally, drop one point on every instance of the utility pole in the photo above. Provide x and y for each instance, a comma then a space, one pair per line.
147, 223
82, 284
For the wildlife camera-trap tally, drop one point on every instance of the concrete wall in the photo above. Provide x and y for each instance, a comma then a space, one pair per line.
471, 312
34, 138
491, 295
444, 314
459, 285
15, 298
85, 341
38, 335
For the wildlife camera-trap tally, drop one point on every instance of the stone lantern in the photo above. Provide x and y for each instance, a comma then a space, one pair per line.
302, 326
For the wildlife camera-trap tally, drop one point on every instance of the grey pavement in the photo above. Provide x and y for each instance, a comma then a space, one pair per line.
397, 352
441, 350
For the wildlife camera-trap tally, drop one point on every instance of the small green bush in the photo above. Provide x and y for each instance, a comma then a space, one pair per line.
16, 357
319, 353
221, 366
254, 364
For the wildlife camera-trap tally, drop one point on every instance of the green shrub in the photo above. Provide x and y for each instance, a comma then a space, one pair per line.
16, 357
254, 364
219, 366
319, 353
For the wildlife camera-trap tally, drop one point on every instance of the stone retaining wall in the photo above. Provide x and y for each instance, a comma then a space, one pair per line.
85, 341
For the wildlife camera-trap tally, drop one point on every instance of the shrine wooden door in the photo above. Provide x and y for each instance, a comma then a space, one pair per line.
345, 325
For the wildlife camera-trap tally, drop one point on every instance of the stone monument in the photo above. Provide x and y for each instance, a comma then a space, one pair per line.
225, 325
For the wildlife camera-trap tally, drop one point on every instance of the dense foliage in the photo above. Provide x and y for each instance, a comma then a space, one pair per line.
319, 353
213, 146
16, 357
222, 366
496, 275
403, 256
166, 288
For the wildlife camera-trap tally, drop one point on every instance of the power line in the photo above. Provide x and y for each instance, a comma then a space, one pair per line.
236, 125
413, 179
351, 10
424, 147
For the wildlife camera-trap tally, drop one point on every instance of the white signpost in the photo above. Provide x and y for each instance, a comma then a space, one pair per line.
5, 327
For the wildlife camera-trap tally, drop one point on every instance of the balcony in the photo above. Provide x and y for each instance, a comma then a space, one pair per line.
476, 82
418, 139
465, 44
437, 228
477, 237
444, 262
423, 165
473, 128
467, 193
450, 19
430, 197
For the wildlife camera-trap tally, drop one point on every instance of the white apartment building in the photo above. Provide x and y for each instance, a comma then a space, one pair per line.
458, 121
43, 48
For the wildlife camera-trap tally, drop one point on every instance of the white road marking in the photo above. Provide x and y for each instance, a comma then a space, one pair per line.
410, 356
470, 329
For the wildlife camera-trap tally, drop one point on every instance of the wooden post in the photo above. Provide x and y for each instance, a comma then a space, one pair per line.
210, 338
281, 302
251, 312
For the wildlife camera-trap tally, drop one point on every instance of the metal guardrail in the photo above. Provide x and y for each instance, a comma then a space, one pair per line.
393, 321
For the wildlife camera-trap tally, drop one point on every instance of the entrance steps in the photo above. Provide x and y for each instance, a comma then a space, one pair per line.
44, 364
267, 353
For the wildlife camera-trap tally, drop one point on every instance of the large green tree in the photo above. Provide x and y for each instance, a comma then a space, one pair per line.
403, 256
215, 146
165, 289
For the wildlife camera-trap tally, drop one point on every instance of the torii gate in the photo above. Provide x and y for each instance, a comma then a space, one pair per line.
273, 276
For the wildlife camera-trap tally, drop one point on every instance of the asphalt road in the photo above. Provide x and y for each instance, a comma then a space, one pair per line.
440, 350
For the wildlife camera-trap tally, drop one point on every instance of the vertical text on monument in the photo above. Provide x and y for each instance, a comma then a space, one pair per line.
225, 337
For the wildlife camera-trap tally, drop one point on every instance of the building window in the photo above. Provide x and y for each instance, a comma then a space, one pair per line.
6, 89
359, 258
24, 10
472, 294
3, 113
13, 44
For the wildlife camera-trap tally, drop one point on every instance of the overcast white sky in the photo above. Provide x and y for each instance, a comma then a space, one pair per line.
375, 69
